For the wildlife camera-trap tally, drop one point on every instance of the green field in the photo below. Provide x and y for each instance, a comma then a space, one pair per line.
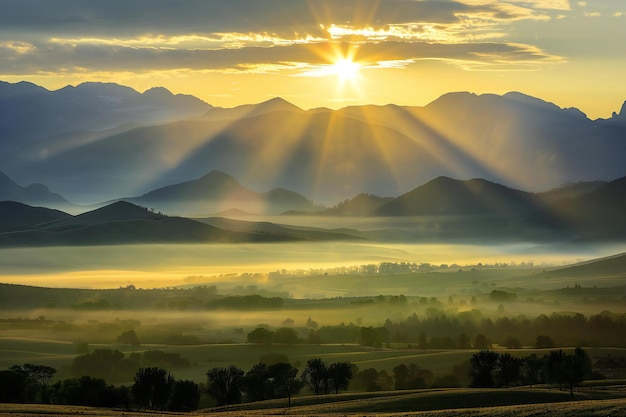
442, 403
60, 354
51, 326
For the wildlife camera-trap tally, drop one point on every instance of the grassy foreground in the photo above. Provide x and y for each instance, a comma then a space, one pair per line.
442, 403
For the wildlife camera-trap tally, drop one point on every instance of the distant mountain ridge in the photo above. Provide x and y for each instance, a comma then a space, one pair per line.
441, 210
32, 112
447, 196
95, 142
218, 191
34, 194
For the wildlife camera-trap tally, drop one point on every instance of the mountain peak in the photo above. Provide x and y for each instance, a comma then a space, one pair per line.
20, 89
217, 176
279, 104
100, 86
206, 187
447, 196
5, 181
158, 92
622, 113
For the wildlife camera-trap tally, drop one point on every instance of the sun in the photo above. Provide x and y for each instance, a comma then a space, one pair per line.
345, 69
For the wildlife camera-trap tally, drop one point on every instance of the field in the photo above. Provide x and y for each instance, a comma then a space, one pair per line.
527, 404
59, 355
51, 326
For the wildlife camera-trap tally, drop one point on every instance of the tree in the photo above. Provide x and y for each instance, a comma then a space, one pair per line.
481, 342
310, 323
284, 381
152, 387
339, 376
508, 369
129, 337
261, 335
372, 380
225, 384
554, 366
286, 336
531, 369
374, 337
484, 366
575, 367
400, 376
544, 342
36, 379
255, 383
422, 342
107, 364
12, 386
464, 342
88, 391
185, 396
512, 342
315, 376
412, 377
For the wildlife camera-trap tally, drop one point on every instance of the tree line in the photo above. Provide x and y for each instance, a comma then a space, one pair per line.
438, 330
155, 388
492, 369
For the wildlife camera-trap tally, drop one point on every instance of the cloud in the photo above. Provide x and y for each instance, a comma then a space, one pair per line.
58, 57
283, 18
74, 36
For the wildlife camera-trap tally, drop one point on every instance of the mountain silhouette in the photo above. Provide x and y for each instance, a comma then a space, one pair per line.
359, 205
447, 196
118, 223
31, 113
35, 194
276, 104
218, 191
597, 214
16, 216
126, 223
327, 155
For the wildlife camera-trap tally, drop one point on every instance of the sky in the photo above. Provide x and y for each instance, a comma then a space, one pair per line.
325, 53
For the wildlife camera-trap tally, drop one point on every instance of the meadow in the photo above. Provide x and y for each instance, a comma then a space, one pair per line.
165, 295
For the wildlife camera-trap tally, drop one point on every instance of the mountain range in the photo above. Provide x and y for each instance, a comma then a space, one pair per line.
35, 194
126, 223
97, 142
217, 192
441, 209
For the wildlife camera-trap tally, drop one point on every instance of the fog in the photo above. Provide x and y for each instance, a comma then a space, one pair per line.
150, 266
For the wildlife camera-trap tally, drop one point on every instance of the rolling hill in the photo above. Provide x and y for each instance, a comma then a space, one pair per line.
17, 216
118, 223
126, 223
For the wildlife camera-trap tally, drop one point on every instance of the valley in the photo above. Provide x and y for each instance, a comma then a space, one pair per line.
192, 239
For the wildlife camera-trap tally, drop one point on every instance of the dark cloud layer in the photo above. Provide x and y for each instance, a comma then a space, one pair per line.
114, 58
135, 17
44, 36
